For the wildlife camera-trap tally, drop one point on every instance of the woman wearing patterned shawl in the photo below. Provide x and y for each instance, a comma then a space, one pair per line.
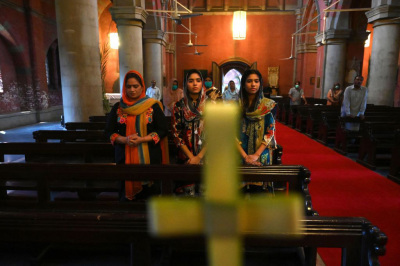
138, 130
257, 132
187, 124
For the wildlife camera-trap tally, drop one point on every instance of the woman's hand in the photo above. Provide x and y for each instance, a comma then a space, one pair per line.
134, 140
194, 160
252, 160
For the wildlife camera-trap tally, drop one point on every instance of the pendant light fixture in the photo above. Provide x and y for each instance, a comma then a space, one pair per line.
239, 25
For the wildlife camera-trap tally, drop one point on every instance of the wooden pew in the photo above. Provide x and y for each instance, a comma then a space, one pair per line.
301, 117
327, 127
315, 101
85, 125
315, 118
59, 152
45, 178
292, 112
284, 109
44, 220
76, 137
361, 242
98, 118
343, 136
376, 143
298, 113
70, 135
394, 172
279, 105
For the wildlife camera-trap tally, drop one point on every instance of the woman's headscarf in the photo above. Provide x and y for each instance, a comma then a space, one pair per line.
171, 96
255, 114
243, 94
136, 75
190, 110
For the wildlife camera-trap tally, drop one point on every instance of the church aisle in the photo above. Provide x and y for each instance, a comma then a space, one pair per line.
342, 187
24, 134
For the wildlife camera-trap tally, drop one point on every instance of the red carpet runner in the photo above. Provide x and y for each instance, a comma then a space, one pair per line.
342, 187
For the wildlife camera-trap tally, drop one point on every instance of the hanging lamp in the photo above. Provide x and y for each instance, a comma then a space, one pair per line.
239, 25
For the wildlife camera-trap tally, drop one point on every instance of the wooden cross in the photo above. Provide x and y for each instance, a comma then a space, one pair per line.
223, 215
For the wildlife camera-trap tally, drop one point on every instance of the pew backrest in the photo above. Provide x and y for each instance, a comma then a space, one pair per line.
83, 152
46, 178
85, 125
70, 135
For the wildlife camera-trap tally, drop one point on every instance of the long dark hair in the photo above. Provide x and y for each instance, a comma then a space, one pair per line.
244, 97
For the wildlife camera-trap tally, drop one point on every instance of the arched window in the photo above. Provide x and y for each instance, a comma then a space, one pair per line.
53, 67
1, 83
234, 75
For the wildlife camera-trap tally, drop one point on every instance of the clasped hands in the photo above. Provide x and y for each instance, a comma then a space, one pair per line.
134, 140
252, 160
194, 160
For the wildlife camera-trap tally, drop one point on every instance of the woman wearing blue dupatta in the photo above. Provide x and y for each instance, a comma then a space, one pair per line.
257, 131
138, 130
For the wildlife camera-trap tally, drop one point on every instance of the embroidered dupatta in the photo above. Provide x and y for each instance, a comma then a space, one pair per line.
137, 123
256, 127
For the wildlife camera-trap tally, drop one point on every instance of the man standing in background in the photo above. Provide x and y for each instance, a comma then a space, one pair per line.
354, 102
153, 91
296, 93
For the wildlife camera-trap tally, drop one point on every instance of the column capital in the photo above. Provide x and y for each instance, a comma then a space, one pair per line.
383, 12
338, 34
155, 36
129, 15
360, 36
319, 38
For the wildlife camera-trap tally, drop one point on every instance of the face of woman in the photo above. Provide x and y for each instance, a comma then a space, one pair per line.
252, 84
194, 83
133, 89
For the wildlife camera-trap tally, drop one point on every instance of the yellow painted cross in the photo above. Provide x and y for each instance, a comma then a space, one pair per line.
223, 215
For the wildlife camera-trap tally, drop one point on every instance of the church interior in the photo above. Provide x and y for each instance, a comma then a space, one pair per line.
63, 62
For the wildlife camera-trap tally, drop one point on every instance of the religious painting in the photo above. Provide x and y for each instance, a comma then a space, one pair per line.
273, 76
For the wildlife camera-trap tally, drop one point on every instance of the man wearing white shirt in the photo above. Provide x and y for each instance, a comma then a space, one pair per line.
153, 91
354, 102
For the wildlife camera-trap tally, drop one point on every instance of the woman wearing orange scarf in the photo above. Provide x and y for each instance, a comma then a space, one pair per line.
138, 130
